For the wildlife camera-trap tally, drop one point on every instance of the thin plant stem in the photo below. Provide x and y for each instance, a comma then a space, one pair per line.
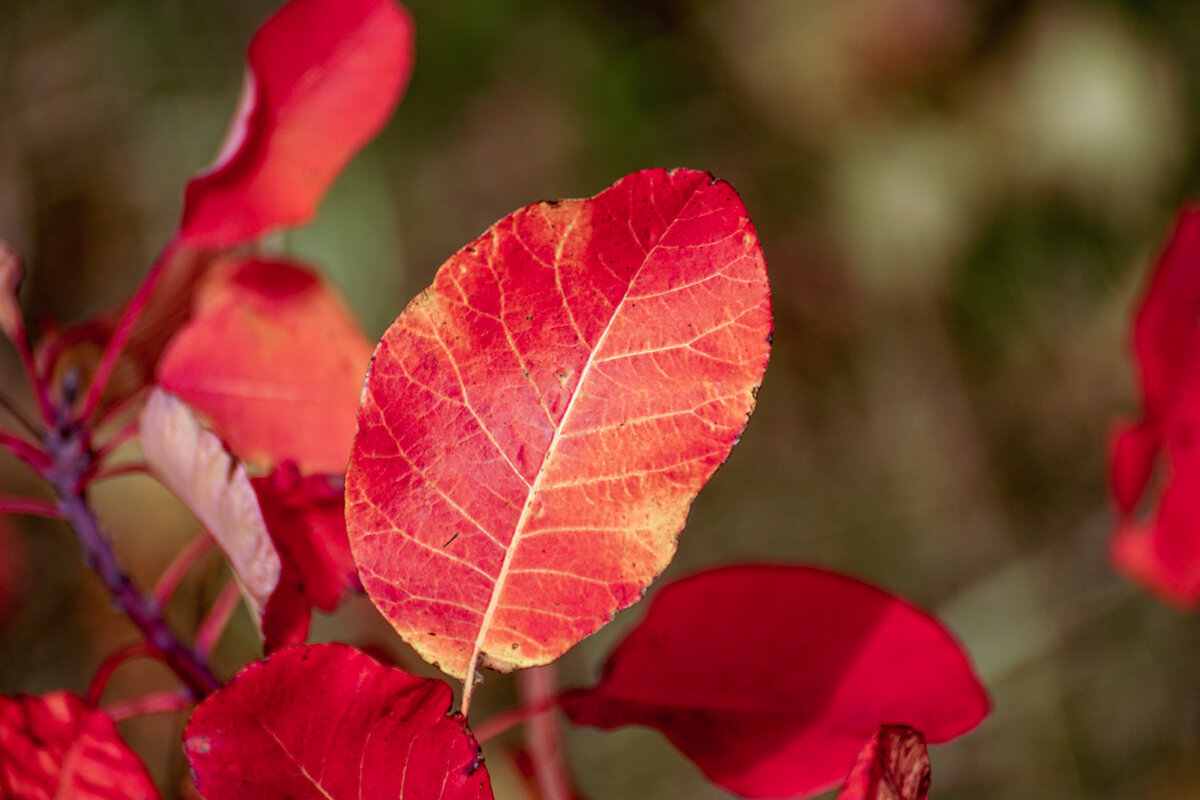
217, 618
153, 703
169, 581
124, 329
29, 453
538, 686
29, 505
506, 720
106, 669
125, 434
120, 471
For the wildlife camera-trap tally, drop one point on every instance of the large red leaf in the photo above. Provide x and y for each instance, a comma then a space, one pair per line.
893, 765
324, 75
56, 747
327, 722
537, 422
771, 678
275, 361
1162, 549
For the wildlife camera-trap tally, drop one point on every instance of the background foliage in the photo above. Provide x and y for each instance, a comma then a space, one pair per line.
958, 203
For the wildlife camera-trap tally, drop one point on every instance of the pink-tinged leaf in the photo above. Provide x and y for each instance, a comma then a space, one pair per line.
193, 464
323, 78
538, 421
770, 678
54, 747
306, 519
275, 361
1161, 549
12, 323
894, 765
327, 722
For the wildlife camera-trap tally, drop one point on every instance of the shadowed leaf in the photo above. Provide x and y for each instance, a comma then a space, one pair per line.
770, 678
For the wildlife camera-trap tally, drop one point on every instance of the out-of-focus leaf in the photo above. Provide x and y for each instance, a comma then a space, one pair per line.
770, 678
193, 464
327, 722
894, 765
1162, 550
12, 323
323, 77
13, 569
275, 361
305, 516
54, 747
538, 421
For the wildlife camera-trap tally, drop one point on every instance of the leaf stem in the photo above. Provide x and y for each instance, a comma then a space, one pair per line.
29, 505
153, 703
169, 581
124, 329
506, 720
217, 618
72, 458
28, 452
538, 687
107, 667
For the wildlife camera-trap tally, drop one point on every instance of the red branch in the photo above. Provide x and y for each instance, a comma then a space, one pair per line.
153, 703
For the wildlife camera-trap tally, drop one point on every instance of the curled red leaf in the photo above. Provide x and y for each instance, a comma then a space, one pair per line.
893, 765
305, 516
538, 421
1161, 549
770, 678
12, 323
326, 722
323, 77
54, 746
275, 361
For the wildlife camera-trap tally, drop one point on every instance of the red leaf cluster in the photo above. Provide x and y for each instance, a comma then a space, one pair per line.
56, 747
326, 722
1161, 549
537, 422
306, 520
771, 678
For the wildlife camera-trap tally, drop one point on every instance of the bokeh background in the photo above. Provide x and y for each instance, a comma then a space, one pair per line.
959, 203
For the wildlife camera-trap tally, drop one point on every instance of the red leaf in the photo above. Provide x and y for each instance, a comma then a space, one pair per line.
275, 361
324, 76
12, 323
1163, 551
894, 765
538, 421
326, 722
54, 746
770, 678
306, 519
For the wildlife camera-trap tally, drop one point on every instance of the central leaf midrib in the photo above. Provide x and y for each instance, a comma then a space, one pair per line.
502, 575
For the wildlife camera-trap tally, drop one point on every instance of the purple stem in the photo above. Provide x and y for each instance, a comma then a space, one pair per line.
72, 460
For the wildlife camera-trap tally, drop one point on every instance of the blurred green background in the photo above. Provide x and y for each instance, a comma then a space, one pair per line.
959, 202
